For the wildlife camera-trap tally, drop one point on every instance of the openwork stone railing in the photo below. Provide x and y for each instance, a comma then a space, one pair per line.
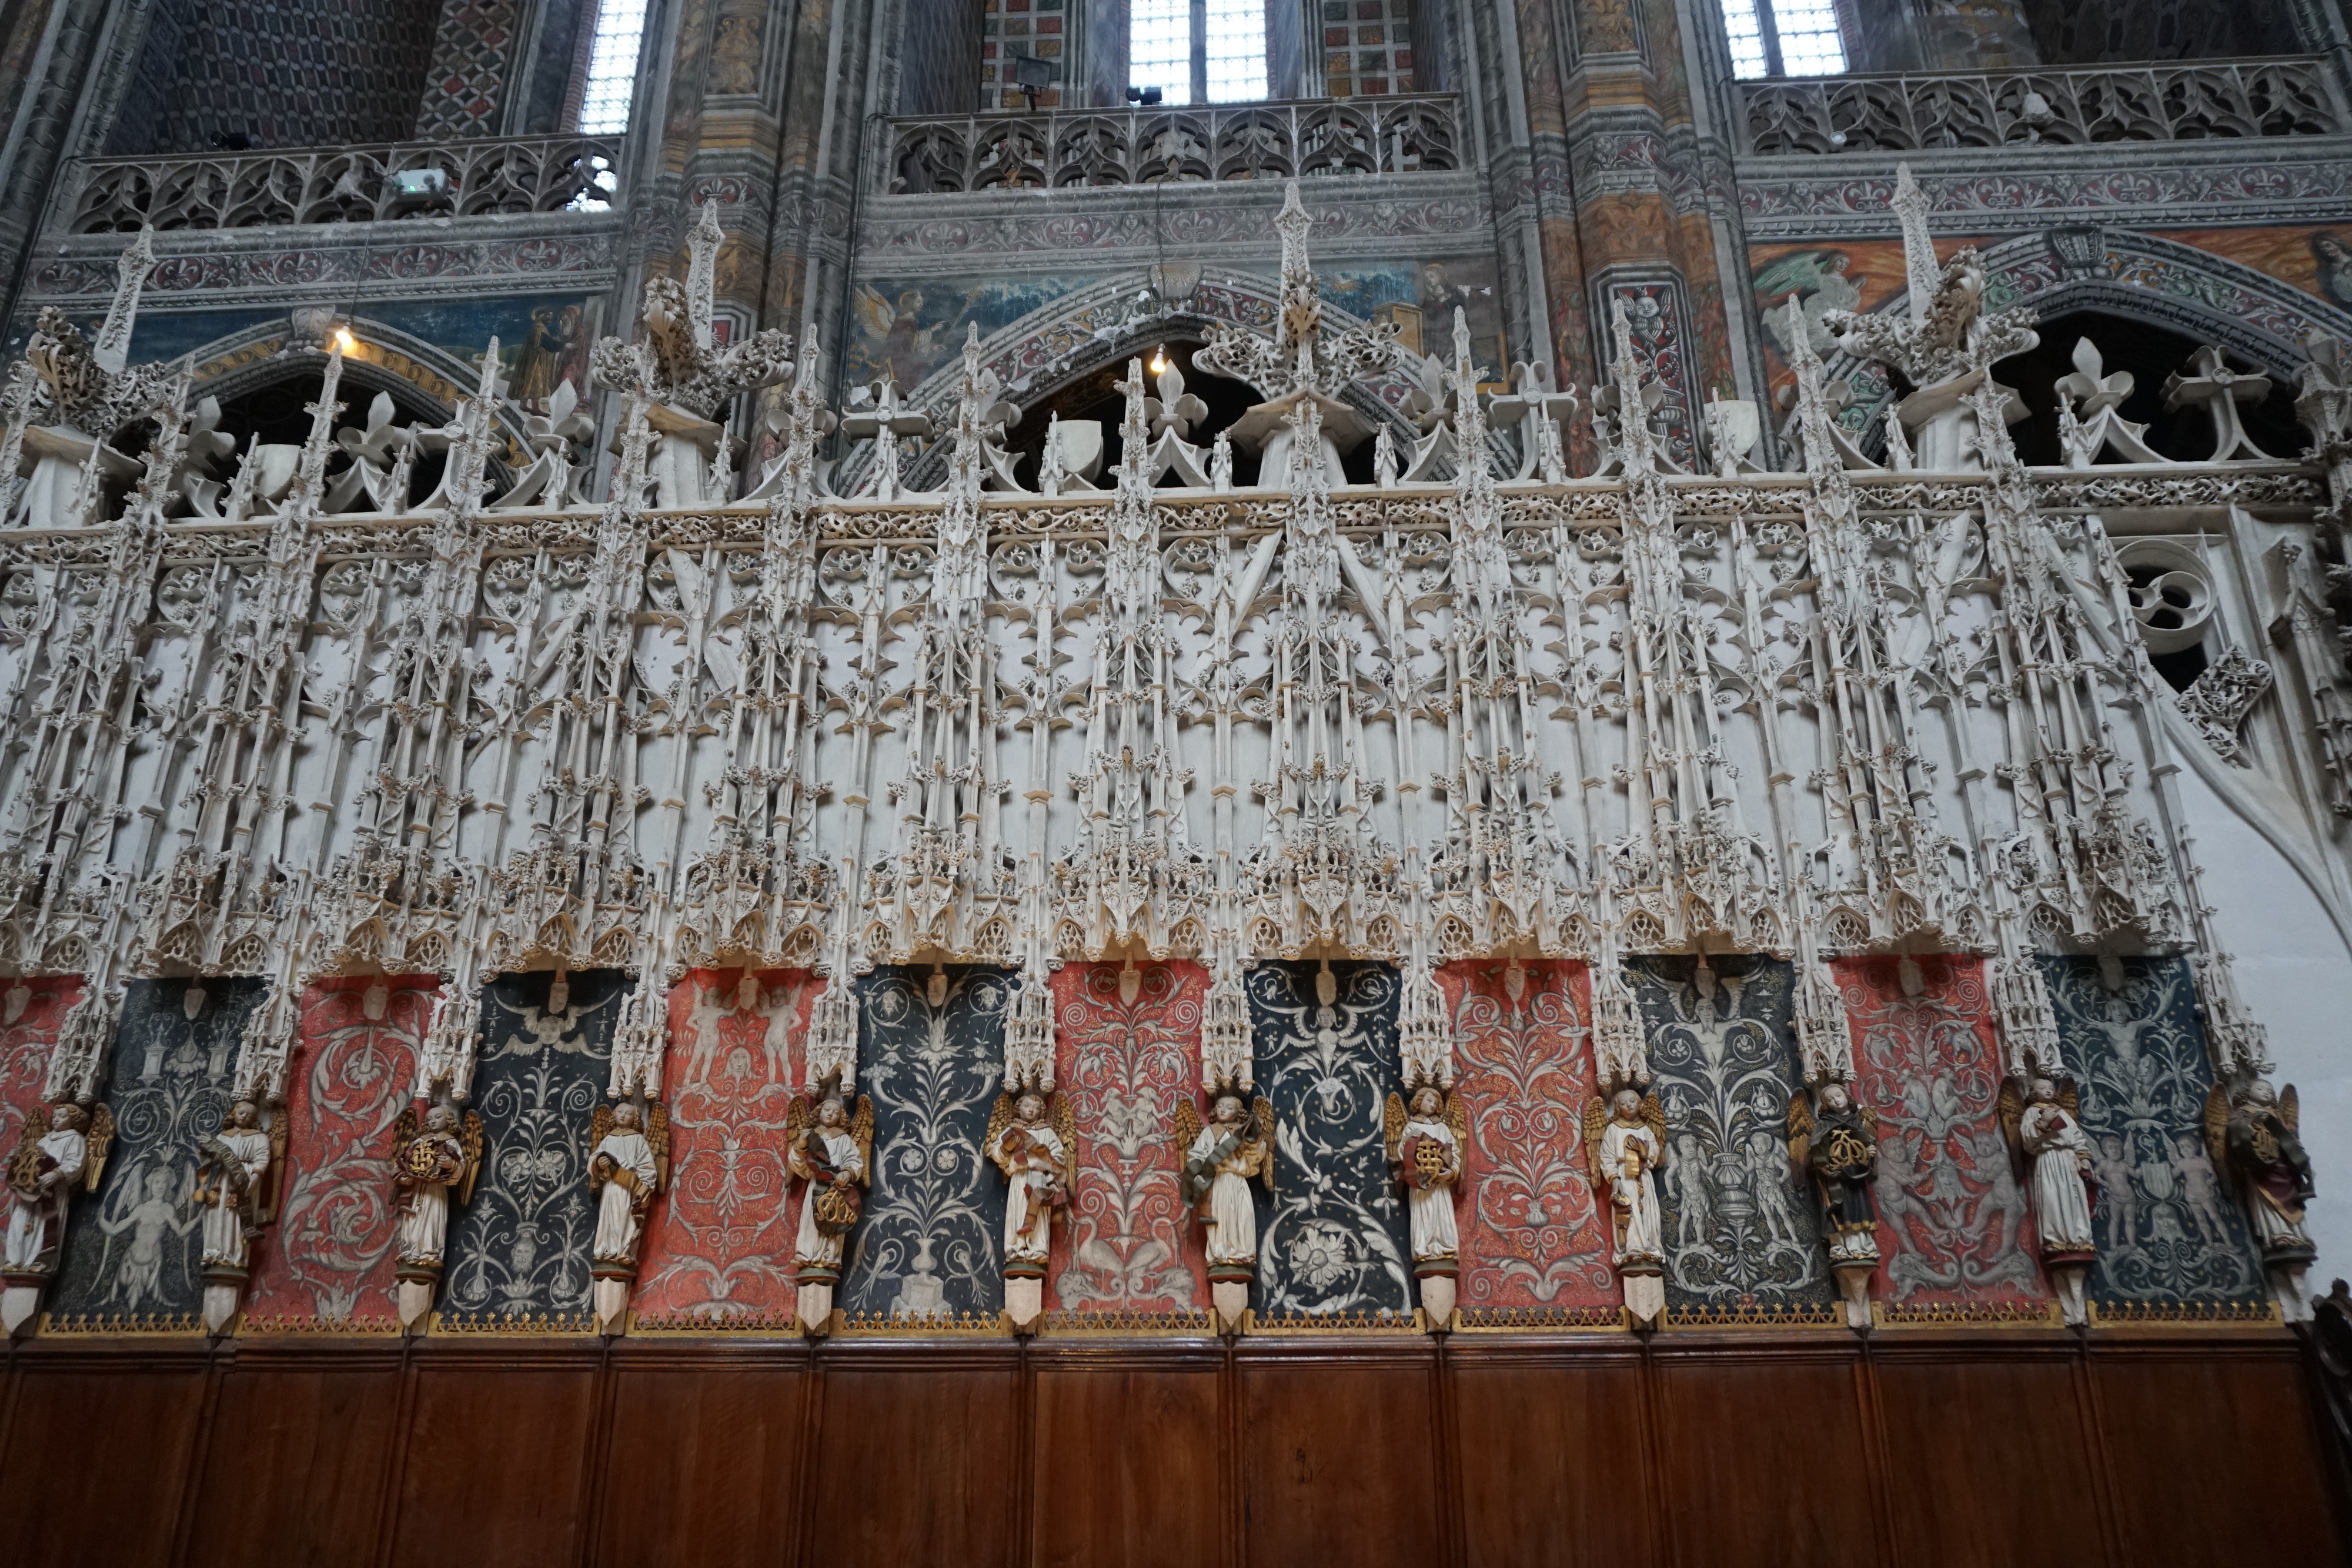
2285, 97
1156, 146
346, 185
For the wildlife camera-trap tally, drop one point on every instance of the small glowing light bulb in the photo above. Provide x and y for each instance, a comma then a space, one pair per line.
345, 343
1159, 361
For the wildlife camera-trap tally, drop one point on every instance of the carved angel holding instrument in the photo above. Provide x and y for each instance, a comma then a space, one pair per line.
1424, 1144
1219, 1159
429, 1159
52, 1155
833, 1151
1033, 1140
1835, 1142
627, 1165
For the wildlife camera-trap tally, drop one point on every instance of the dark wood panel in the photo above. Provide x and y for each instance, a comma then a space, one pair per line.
2212, 1458
1127, 1468
1554, 1463
915, 1466
1765, 1462
95, 1465
1338, 1463
1988, 1463
298, 1459
701, 1467
495, 1461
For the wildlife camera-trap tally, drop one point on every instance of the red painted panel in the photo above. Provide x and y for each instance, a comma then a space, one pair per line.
1127, 1245
719, 1244
329, 1258
25, 1042
1532, 1237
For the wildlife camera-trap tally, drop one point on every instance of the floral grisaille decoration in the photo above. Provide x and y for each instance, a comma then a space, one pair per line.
1739, 1233
1331, 1239
519, 1249
2168, 1229
131, 1249
931, 1056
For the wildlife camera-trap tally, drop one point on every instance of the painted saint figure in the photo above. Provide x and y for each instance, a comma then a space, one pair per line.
2049, 1143
2256, 1136
1835, 1142
428, 1160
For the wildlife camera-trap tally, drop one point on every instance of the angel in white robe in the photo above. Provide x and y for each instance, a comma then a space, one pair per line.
234, 1162
624, 1174
1426, 1151
427, 1163
41, 1176
1035, 1156
1626, 1154
2060, 1154
1219, 1161
833, 1155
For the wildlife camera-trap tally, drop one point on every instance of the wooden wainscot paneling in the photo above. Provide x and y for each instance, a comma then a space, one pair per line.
1990, 1459
2213, 1454
1129, 1464
702, 1456
919, 1455
99, 1451
1553, 1452
1767, 1461
1339, 1453
302, 1442
496, 1454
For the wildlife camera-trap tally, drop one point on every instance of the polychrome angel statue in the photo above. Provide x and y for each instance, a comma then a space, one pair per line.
628, 1165
239, 1170
1424, 1142
1625, 1148
66, 1147
1218, 1161
2051, 1155
1033, 1140
433, 1159
830, 1148
2256, 1137
1835, 1142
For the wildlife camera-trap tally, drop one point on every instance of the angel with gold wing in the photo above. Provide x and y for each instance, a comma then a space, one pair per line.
1625, 1146
831, 1149
1424, 1148
2257, 1139
1219, 1159
429, 1159
2053, 1157
52, 1155
1835, 1142
627, 1166
1032, 1138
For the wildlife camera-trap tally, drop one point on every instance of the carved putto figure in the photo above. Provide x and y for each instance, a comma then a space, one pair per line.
51, 1156
1218, 1161
1624, 1146
1424, 1143
1835, 1142
2256, 1137
627, 1165
1032, 1138
2047, 1139
429, 1159
831, 1150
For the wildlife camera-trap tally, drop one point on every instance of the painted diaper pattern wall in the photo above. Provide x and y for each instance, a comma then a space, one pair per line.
718, 1245
519, 1249
1332, 1238
930, 1240
1533, 1237
132, 1254
1127, 1243
329, 1258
